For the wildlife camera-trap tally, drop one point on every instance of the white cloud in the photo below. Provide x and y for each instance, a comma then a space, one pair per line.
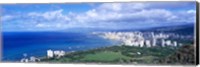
109, 14
7, 17
50, 19
51, 15
41, 25
134, 11
112, 15
191, 11
122, 7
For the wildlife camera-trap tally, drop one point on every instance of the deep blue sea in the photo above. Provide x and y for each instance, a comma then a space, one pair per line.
15, 44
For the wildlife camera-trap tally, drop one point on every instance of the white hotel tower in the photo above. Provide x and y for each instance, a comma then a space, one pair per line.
148, 43
163, 43
49, 53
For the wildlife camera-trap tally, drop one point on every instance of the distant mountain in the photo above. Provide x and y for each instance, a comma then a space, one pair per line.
179, 29
85, 30
183, 29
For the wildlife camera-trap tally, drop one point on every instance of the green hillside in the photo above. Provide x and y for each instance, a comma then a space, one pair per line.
118, 54
184, 55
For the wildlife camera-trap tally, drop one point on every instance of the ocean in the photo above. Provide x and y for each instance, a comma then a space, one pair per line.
15, 44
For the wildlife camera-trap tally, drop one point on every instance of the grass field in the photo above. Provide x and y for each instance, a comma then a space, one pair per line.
105, 56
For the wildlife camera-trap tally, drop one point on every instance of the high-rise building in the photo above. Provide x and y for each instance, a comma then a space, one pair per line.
152, 34
49, 53
168, 43
148, 44
175, 43
62, 53
154, 42
141, 43
136, 43
162, 42
128, 42
56, 53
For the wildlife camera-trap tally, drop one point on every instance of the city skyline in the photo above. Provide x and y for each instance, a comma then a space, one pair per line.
136, 15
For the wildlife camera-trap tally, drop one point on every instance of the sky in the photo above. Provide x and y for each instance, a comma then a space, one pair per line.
127, 15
